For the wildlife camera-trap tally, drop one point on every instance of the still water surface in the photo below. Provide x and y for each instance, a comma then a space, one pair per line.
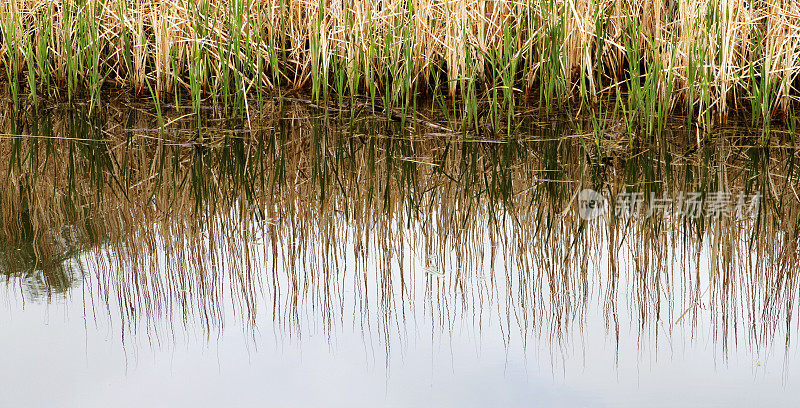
311, 260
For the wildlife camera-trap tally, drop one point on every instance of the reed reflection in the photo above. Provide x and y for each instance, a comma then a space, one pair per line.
316, 220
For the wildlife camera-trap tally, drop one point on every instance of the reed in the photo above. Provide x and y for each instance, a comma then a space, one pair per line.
702, 59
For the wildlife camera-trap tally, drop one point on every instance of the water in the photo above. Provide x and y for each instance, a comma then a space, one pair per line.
310, 259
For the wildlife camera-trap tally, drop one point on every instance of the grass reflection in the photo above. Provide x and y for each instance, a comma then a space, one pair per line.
368, 218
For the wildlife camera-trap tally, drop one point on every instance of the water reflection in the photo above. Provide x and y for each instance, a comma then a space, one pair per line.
307, 221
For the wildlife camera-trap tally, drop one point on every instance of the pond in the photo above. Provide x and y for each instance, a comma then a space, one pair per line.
307, 257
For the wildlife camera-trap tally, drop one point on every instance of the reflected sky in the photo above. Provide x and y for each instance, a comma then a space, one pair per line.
71, 352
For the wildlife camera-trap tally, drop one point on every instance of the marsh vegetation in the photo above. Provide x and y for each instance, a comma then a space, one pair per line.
703, 61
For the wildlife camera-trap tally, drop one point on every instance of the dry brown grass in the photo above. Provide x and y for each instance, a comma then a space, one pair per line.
717, 56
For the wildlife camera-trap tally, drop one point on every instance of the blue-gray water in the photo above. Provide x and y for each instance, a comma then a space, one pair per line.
320, 262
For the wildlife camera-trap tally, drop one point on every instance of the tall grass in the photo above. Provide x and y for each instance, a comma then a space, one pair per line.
699, 58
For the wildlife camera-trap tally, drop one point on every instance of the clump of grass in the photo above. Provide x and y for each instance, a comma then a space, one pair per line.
698, 58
